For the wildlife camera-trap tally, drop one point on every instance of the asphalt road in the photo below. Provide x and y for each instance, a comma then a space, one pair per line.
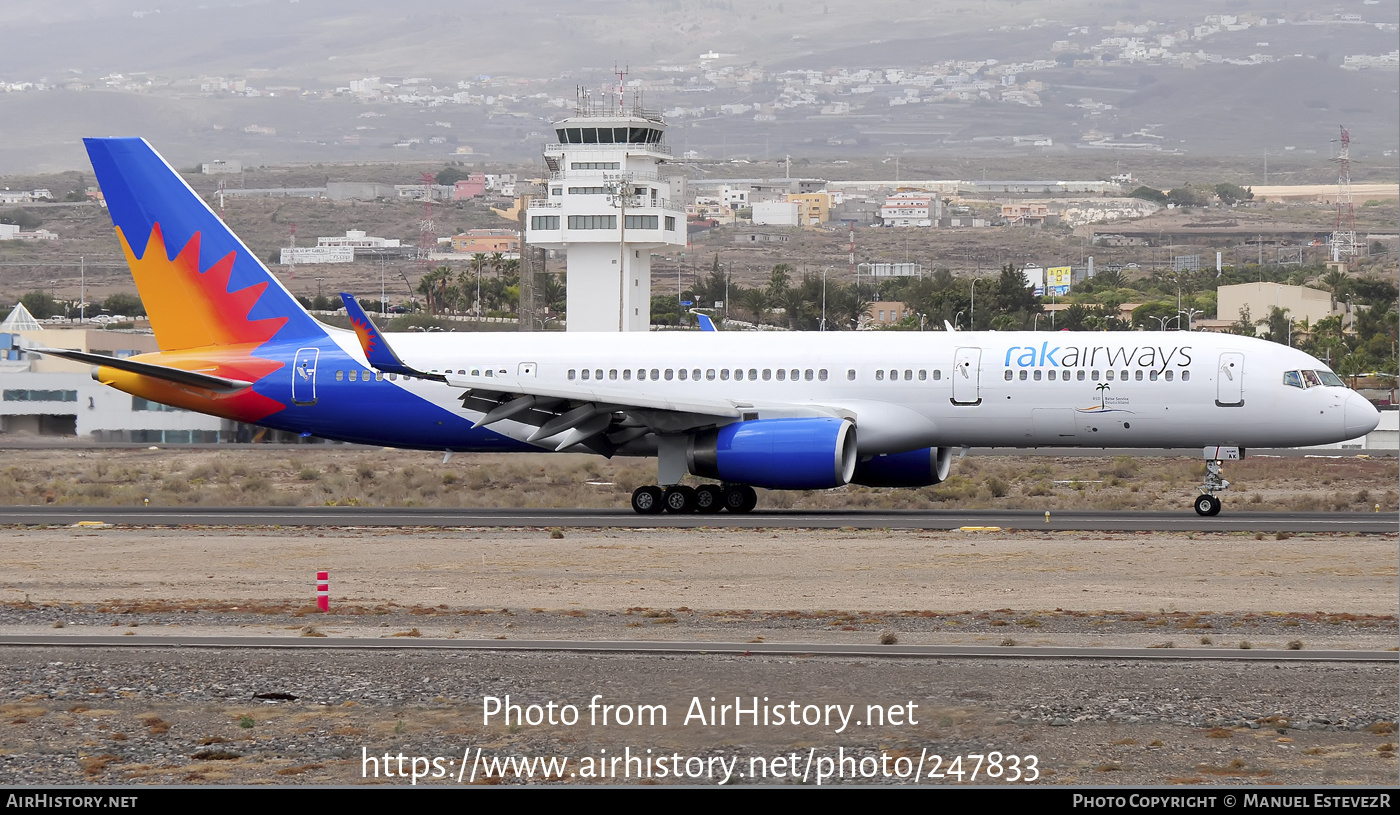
681, 647
1184, 520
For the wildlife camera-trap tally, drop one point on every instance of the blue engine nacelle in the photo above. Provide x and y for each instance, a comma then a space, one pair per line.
916, 468
779, 454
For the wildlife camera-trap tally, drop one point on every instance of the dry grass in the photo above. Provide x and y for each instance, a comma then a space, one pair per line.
316, 475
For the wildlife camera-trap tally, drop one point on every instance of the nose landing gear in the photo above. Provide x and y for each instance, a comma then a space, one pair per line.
1206, 504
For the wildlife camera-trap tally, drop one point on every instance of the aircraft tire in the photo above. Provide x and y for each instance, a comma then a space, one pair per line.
740, 498
1207, 505
709, 499
647, 500
679, 499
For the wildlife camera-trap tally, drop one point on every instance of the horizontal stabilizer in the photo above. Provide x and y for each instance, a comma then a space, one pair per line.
179, 376
381, 357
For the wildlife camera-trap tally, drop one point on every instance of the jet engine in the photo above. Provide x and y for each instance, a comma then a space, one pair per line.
916, 468
779, 454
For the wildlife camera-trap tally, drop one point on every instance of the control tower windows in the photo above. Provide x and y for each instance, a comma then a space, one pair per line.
593, 222
608, 135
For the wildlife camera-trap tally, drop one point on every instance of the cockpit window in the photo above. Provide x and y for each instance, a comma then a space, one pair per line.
1312, 379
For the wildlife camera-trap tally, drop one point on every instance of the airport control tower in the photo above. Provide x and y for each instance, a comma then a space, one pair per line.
608, 209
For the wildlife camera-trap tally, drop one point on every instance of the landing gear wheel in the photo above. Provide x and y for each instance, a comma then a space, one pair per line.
1207, 505
709, 499
679, 499
647, 500
740, 498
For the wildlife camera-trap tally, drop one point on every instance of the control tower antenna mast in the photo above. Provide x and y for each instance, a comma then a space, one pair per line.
621, 85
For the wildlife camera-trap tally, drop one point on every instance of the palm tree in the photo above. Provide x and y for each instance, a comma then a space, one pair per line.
478, 263
1103, 386
779, 279
756, 300
433, 286
1110, 279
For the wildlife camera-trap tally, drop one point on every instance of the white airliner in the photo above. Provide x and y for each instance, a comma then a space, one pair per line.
774, 410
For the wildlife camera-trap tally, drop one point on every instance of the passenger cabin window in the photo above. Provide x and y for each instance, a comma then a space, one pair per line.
850, 374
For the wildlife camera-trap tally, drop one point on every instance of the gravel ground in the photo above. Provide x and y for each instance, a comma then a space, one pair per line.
165, 716
181, 716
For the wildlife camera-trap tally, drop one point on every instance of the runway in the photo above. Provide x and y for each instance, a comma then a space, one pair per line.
982, 520
804, 649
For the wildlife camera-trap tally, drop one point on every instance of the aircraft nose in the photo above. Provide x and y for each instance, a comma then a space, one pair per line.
1360, 415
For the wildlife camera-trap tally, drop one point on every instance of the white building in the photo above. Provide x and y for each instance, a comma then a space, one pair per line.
47, 396
607, 209
911, 209
776, 213
219, 167
357, 239
317, 254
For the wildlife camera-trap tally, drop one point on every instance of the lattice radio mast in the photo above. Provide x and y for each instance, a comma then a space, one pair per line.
1344, 234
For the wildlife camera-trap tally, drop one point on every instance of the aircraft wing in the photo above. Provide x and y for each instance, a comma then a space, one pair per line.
706, 324
590, 414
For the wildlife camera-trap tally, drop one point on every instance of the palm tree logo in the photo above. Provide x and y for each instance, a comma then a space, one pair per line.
1103, 386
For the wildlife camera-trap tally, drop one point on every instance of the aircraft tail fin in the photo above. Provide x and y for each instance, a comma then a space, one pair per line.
706, 324
200, 285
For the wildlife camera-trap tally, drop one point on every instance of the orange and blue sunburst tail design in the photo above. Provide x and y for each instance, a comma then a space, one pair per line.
201, 286
216, 309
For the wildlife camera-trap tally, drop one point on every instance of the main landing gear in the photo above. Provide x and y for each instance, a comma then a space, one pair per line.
706, 499
1207, 505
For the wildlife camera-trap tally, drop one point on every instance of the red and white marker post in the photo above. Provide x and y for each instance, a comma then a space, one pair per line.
323, 591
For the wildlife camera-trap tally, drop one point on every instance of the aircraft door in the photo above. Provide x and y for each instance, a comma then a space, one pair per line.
1229, 380
304, 376
967, 365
